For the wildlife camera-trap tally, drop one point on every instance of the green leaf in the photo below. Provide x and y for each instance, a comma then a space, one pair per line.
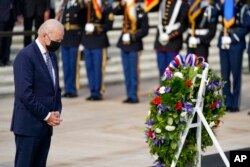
173, 145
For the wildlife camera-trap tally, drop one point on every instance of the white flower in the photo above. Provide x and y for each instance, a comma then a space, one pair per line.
170, 121
162, 90
164, 78
155, 156
183, 114
149, 112
178, 74
212, 124
157, 130
170, 128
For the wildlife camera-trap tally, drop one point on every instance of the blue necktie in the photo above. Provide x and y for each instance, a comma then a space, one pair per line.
49, 66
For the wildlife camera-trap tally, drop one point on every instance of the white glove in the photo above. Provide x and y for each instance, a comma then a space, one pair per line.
193, 42
163, 38
89, 27
126, 38
225, 42
81, 47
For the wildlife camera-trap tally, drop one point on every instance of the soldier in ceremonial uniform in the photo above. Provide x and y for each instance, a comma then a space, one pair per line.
202, 28
172, 22
232, 44
246, 22
95, 41
73, 20
135, 27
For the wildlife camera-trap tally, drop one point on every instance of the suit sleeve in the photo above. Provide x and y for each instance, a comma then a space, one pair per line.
144, 27
23, 77
108, 19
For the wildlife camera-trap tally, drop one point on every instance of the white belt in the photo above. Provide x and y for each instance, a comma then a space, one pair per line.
170, 28
198, 31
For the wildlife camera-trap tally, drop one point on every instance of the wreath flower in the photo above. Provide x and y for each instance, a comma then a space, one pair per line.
173, 103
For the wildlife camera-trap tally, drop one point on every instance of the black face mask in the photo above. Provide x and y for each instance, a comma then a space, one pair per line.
54, 46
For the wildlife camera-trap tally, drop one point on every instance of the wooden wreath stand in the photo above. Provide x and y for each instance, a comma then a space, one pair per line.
198, 125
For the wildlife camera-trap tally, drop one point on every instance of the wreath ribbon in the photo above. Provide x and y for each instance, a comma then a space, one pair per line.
181, 61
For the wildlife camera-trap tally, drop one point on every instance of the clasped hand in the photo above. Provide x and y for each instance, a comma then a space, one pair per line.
54, 119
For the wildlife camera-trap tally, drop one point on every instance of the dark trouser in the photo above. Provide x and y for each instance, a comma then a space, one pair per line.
248, 52
163, 60
200, 51
5, 42
69, 59
31, 151
95, 66
28, 24
130, 62
231, 62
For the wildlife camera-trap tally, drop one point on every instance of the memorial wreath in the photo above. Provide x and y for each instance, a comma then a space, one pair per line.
172, 105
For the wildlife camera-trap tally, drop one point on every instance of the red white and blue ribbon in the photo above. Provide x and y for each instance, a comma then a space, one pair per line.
181, 61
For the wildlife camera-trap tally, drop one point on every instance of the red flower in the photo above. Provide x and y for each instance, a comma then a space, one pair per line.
214, 104
178, 106
150, 133
189, 83
157, 100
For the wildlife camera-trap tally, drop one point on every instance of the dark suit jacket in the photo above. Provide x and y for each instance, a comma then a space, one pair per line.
5, 9
34, 7
35, 95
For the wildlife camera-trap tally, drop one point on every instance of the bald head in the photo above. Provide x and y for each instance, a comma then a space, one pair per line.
51, 26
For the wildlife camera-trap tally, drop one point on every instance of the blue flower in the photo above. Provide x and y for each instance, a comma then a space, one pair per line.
150, 122
158, 164
188, 107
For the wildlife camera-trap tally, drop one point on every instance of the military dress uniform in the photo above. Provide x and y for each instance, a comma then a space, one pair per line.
231, 54
130, 49
199, 37
172, 22
73, 21
95, 42
246, 22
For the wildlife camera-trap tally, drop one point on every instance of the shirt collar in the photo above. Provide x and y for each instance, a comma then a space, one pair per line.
40, 46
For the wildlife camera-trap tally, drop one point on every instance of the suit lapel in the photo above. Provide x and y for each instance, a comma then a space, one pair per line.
43, 64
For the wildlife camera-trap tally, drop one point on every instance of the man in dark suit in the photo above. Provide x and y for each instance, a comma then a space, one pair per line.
37, 105
34, 11
10, 13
